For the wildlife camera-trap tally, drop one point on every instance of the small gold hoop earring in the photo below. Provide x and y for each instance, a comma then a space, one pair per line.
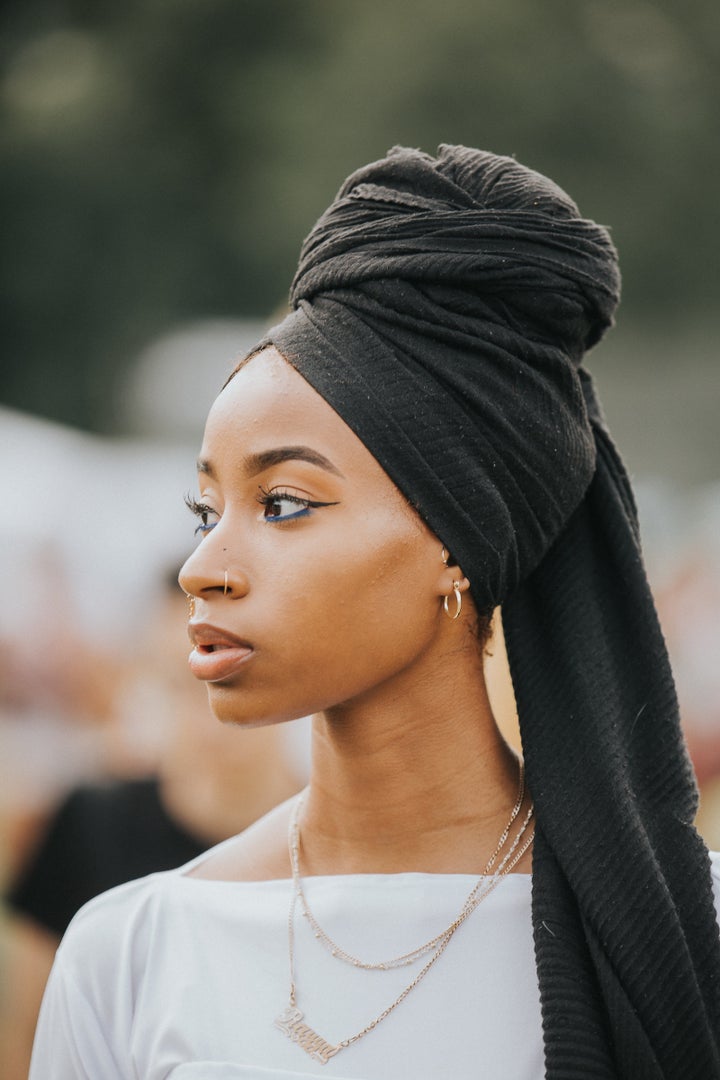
445, 555
458, 602
225, 586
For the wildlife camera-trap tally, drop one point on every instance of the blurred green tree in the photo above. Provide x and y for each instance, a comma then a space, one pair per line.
162, 159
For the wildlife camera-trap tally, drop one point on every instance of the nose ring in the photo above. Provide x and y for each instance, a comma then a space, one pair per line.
225, 586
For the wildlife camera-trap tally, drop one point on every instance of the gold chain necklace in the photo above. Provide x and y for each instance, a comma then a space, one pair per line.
292, 1020
407, 958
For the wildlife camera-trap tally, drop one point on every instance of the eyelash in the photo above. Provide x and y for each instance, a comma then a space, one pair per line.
200, 510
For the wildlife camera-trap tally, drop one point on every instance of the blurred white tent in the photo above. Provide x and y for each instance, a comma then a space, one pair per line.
91, 523
176, 379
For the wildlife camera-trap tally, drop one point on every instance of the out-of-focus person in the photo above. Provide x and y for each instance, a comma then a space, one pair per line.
180, 783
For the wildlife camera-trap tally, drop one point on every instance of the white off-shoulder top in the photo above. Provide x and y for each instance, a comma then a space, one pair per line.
175, 977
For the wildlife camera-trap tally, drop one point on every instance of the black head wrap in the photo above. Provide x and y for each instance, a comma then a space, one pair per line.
442, 307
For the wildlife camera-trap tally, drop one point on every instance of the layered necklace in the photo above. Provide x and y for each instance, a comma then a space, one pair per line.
292, 1020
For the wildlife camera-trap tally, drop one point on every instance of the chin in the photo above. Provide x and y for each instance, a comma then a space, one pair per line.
226, 708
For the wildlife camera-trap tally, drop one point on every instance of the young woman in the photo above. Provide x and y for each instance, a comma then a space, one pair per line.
416, 444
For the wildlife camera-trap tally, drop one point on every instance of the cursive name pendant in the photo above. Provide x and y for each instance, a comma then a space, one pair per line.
291, 1023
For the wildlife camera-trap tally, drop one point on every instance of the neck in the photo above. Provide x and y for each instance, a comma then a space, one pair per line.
432, 756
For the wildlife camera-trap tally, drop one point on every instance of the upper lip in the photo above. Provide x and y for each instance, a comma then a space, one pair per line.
206, 635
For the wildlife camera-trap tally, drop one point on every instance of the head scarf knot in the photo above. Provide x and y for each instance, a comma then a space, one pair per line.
482, 279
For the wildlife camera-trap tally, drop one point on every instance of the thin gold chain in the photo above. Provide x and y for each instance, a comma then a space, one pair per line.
291, 1022
407, 958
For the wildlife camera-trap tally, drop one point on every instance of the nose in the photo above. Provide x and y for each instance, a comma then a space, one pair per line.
208, 572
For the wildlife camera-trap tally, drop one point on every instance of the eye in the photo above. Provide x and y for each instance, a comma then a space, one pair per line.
204, 512
284, 506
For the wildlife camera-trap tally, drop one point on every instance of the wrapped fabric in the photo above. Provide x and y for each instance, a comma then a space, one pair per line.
443, 306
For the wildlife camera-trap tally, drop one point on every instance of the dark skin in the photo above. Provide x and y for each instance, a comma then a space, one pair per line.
334, 607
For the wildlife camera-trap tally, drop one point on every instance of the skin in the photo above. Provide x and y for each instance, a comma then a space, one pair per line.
342, 609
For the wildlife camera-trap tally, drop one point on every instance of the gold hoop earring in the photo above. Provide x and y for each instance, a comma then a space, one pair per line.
458, 602
225, 586
444, 555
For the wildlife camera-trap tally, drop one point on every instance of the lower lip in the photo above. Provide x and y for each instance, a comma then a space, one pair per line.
219, 664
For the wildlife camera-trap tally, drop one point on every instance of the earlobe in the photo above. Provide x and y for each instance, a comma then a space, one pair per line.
450, 564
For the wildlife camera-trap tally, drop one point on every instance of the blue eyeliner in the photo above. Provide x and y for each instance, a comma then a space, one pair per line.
302, 512
274, 498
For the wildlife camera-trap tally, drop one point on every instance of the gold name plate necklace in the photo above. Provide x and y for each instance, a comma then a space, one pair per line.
292, 1020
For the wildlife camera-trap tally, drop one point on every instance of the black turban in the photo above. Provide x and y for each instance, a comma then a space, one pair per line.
443, 307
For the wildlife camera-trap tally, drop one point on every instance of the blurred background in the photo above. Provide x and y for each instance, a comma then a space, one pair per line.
162, 161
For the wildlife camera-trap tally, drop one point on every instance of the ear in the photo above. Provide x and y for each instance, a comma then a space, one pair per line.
450, 575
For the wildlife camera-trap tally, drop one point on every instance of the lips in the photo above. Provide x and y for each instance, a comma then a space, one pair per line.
217, 654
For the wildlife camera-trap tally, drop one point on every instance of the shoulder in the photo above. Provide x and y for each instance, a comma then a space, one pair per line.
100, 967
83, 804
105, 954
91, 814
260, 853
111, 921
116, 927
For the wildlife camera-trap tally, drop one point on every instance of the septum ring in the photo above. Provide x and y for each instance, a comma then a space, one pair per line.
225, 586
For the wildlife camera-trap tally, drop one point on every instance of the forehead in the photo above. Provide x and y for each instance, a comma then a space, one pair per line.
268, 403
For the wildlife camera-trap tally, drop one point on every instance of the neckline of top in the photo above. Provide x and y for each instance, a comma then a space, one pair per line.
401, 877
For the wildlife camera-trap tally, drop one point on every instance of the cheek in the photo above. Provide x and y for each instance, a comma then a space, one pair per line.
329, 640
371, 602
340, 615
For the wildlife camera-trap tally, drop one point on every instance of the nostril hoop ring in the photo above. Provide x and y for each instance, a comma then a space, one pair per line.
225, 586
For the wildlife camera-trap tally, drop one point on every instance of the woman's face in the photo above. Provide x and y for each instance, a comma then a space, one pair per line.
334, 584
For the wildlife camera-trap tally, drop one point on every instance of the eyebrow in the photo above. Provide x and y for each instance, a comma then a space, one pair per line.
265, 459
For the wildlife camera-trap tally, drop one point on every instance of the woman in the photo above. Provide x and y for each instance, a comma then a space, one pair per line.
414, 445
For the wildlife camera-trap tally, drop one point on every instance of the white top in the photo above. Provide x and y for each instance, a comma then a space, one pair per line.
181, 978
